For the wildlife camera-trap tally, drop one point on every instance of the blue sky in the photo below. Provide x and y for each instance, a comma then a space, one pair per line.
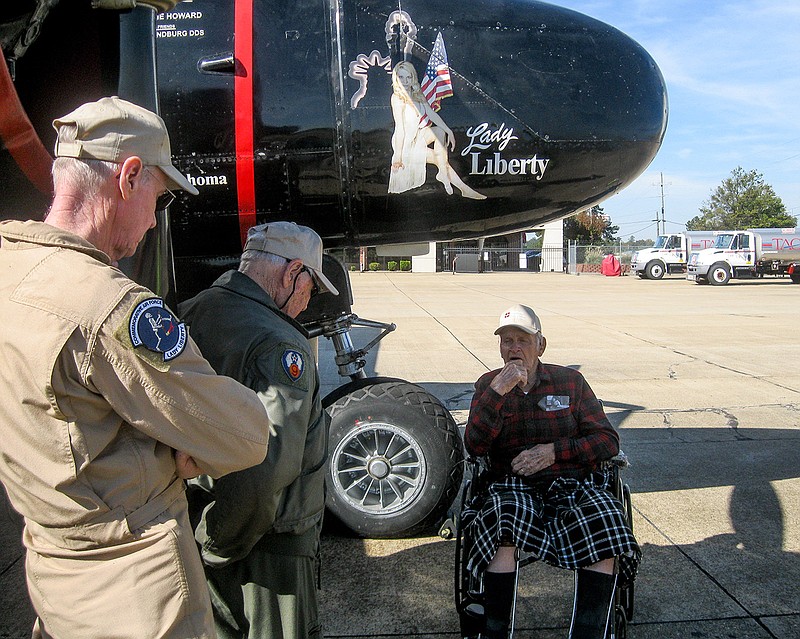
732, 70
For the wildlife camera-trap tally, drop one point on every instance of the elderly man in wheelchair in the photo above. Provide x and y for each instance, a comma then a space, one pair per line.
545, 493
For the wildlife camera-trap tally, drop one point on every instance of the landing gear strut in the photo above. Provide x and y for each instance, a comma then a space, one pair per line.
396, 453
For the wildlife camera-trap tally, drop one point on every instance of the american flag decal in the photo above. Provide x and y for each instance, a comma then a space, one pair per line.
436, 84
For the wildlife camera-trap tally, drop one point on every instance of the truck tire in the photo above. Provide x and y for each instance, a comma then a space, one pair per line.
719, 274
655, 270
396, 460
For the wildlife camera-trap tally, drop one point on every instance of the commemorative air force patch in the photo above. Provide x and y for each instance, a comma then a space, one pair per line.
157, 329
293, 364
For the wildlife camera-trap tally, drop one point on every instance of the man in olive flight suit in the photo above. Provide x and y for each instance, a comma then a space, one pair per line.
107, 404
259, 528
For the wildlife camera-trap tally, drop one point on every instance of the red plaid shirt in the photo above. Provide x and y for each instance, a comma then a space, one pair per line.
560, 408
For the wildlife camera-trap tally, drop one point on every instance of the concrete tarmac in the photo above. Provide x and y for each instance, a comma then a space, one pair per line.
703, 384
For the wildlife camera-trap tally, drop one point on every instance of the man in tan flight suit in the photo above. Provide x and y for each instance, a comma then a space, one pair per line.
107, 404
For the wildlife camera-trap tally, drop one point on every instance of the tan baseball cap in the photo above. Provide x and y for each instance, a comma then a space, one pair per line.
293, 242
521, 317
113, 129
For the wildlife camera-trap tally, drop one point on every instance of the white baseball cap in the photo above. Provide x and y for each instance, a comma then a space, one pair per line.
521, 317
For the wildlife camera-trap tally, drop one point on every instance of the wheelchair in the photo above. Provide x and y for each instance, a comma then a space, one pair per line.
469, 589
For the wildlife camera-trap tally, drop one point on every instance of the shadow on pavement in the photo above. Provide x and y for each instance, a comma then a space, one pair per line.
713, 512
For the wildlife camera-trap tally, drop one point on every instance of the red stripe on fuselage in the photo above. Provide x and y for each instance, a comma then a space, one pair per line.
243, 115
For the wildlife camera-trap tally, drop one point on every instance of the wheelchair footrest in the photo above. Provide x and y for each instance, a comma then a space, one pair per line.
471, 617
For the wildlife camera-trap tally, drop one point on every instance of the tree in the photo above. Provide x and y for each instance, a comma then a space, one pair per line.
742, 201
536, 240
590, 227
632, 242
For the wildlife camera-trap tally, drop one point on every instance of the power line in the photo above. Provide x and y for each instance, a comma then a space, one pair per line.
639, 231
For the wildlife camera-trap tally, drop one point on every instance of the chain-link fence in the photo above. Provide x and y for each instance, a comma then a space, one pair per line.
588, 258
470, 259
573, 258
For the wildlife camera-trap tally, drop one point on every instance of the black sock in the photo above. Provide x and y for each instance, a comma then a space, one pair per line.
498, 588
594, 593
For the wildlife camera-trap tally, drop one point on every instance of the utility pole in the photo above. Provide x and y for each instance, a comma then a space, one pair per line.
661, 220
663, 217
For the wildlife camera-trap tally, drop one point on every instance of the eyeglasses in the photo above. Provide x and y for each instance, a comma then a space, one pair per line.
165, 199
314, 285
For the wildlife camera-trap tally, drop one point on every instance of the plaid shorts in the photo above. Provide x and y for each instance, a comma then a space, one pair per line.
568, 523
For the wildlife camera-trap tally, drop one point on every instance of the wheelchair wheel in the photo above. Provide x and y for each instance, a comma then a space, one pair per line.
628, 504
626, 594
620, 629
468, 593
626, 600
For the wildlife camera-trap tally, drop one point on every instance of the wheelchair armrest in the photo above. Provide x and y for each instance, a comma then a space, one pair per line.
474, 479
620, 460
477, 465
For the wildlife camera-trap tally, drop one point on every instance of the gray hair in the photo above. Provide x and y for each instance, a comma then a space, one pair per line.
252, 258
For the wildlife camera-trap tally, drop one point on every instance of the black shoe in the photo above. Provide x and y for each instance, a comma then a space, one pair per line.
594, 599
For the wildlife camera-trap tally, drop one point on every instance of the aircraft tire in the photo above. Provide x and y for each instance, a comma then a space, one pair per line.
396, 460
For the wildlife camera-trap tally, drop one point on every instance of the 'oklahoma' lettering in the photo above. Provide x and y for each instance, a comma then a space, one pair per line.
207, 180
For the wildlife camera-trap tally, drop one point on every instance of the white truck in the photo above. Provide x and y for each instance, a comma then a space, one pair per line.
750, 253
670, 253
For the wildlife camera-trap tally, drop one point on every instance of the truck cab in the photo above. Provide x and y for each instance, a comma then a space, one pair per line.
733, 255
750, 253
670, 253
667, 255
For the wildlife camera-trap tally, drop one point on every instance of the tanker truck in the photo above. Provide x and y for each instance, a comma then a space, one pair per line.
669, 253
750, 253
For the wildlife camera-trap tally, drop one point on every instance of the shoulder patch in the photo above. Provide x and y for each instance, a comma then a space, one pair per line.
157, 329
293, 364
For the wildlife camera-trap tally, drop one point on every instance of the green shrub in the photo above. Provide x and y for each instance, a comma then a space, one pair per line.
353, 267
593, 255
405, 265
392, 266
374, 266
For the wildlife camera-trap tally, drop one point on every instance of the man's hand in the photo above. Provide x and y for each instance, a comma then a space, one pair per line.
513, 374
185, 466
532, 460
